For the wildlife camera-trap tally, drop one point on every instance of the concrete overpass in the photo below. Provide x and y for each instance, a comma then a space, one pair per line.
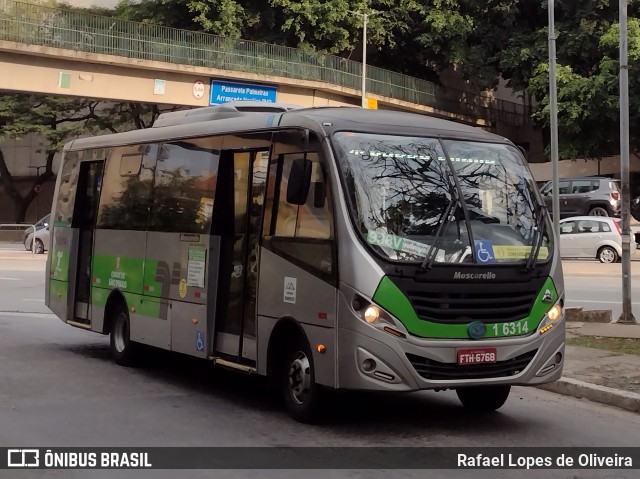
56, 51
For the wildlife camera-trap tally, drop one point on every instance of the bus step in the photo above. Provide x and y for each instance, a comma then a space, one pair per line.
78, 324
232, 365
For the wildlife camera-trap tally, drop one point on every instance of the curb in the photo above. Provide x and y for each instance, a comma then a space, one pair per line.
27, 257
598, 274
596, 393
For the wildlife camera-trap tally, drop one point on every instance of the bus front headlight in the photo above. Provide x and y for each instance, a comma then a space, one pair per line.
377, 317
371, 314
555, 312
553, 316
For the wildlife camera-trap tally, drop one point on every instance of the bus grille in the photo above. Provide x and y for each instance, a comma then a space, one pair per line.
466, 302
430, 369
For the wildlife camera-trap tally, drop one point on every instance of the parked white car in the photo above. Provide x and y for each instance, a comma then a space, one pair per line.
592, 237
42, 241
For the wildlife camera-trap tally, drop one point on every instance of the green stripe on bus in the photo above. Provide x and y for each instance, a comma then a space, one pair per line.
122, 272
58, 289
126, 274
391, 298
141, 304
59, 269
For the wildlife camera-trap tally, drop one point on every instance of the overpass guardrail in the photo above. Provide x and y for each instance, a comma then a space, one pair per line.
56, 27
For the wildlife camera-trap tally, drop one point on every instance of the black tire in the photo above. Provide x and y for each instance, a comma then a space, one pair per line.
607, 254
124, 350
39, 247
483, 398
599, 211
302, 396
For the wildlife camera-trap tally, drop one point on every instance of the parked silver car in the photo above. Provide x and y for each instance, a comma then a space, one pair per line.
592, 237
41, 224
42, 240
590, 195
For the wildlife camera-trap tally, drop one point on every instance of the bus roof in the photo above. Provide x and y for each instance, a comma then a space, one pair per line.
326, 119
387, 122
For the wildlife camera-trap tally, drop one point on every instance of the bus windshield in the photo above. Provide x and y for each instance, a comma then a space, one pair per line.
458, 201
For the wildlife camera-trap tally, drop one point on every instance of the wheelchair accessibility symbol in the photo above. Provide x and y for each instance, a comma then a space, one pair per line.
199, 341
484, 251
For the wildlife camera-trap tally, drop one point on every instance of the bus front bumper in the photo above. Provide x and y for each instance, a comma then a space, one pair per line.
371, 359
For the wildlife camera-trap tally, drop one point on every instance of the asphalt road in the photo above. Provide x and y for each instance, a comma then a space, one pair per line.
59, 387
592, 285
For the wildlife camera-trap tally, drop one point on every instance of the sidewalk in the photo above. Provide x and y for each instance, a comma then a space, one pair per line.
12, 254
602, 376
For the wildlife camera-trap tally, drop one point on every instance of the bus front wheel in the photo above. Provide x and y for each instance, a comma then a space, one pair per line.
301, 393
483, 398
122, 348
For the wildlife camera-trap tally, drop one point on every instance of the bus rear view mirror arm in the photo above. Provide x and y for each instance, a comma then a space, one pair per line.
319, 194
299, 181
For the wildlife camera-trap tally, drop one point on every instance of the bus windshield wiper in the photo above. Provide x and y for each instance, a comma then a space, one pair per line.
443, 223
541, 212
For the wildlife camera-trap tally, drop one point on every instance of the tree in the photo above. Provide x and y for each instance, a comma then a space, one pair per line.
484, 41
59, 119
56, 119
588, 98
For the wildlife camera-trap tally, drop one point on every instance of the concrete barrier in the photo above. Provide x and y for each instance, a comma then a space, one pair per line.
12, 235
589, 316
13, 232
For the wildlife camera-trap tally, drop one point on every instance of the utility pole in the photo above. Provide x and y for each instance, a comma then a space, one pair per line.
627, 316
365, 16
553, 112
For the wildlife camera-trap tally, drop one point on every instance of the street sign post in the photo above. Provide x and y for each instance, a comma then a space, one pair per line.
627, 316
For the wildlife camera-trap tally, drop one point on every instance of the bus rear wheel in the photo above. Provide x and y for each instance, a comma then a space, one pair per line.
123, 349
301, 393
483, 398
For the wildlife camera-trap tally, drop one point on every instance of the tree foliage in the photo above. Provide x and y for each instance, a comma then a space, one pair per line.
589, 89
484, 41
53, 118
58, 119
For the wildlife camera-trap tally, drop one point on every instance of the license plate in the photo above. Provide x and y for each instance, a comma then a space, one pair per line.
476, 356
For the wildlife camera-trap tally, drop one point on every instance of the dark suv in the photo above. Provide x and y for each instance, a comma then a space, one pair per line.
594, 196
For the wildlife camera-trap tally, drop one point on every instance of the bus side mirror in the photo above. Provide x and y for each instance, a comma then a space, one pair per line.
299, 181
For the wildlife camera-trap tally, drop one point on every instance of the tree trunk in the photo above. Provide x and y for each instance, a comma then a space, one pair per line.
10, 189
40, 180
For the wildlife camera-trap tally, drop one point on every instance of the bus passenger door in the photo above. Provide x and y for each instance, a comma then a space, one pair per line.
237, 220
84, 219
298, 268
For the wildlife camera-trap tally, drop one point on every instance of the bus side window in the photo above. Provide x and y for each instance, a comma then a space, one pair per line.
183, 186
304, 233
67, 192
128, 179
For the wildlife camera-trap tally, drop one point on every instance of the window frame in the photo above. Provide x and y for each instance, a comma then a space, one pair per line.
270, 239
573, 229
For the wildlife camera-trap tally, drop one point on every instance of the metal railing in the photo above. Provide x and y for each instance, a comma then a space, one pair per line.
33, 24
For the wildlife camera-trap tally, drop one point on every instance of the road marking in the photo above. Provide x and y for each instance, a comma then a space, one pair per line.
10, 279
34, 314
